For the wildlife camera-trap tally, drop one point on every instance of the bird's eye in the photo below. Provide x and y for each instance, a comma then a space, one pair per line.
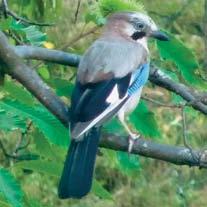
139, 26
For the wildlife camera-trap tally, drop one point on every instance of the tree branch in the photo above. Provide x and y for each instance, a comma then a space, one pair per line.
156, 76
173, 154
30, 79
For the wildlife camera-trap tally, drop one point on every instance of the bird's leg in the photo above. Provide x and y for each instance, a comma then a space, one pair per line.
132, 136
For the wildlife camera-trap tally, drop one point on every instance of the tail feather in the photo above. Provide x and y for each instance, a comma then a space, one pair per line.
76, 179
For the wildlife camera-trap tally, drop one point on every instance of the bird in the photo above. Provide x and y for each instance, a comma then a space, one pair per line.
110, 78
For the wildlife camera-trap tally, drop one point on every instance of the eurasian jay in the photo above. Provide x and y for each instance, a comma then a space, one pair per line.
110, 78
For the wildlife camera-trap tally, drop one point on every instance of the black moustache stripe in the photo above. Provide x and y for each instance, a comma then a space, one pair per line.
138, 35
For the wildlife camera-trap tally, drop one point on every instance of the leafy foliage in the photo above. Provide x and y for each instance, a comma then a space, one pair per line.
128, 163
48, 167
98, 11
10, 188
45, 121
110, 6
100, 191
144, 121
187, 63
16, 92
32, 34
10, 121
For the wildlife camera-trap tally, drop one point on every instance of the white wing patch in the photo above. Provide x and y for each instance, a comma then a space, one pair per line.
110, 108
114, 96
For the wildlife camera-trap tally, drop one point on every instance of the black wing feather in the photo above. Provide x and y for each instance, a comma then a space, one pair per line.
89, 100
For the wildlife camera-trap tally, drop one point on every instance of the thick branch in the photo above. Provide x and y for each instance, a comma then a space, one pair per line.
29, 78
156, 76
174, 154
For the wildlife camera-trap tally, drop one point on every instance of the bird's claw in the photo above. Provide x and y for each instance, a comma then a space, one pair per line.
132, 139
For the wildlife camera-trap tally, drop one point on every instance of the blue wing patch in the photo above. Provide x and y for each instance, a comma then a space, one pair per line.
139, 77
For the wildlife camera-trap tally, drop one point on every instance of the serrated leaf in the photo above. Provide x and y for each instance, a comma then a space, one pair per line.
144, 121
128, 163
183, 57
34, 36
42, 166
9, 121
100, 191
31, 33
10, 188
43, 147
18, 92
42, 118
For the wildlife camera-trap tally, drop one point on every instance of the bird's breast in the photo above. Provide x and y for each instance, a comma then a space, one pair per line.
132, 103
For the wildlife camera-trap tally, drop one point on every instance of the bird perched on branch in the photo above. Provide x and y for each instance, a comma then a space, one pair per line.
110, 78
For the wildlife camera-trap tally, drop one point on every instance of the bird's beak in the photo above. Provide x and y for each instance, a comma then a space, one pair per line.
159, 35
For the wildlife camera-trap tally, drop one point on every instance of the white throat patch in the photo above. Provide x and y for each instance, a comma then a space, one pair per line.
143, 42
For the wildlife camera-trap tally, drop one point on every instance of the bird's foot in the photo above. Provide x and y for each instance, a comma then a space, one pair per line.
132, 138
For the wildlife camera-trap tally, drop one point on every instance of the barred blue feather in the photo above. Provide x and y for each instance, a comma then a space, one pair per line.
139, 78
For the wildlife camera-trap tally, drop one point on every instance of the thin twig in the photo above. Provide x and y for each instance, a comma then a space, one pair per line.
19, 145
14, 37
5, 7
8, 12
23, 20
186, 144
160, 103
77, 11
79, 37
184, 129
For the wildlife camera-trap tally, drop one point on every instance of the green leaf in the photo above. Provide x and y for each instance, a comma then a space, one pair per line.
44, 73
99, 10
34, 36
101, 192
42, 118
18, 92
114, 126
16, 25
183, 57
5, 24
62, 87
109, 6
144, 121
10, 188
44, 148
32, 33
48, 167
10, 122
128, 163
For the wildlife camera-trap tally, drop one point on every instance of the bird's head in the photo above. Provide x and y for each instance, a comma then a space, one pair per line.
134, 25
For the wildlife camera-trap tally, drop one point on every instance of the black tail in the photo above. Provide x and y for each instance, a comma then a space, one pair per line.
76, 179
